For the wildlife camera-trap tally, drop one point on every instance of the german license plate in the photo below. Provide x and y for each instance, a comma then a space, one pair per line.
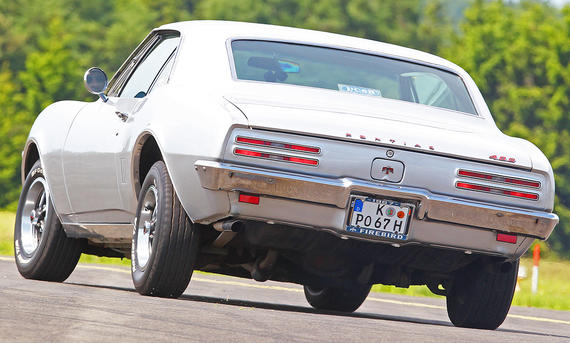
379, 217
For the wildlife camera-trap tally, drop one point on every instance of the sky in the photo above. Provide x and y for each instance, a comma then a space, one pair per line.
559, 3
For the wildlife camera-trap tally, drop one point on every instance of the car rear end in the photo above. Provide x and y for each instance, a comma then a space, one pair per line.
417, 197
361, 167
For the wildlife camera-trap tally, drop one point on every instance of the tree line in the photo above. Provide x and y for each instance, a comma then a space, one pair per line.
518, 52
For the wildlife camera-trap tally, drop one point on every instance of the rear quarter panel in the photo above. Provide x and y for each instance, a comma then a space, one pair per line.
189, 125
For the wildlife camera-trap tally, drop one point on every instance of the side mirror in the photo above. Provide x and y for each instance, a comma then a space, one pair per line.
96, 82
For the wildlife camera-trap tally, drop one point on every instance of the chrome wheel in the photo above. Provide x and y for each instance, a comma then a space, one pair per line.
146, 224
34, 216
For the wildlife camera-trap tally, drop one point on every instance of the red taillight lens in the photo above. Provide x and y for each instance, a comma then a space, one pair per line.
527, 183
507, 238
300, 160
252, 141
496, 190
475, 175
278, 145
303, 148
499, 178
472, 186
249, 198
516, 194
244, 152
276, 157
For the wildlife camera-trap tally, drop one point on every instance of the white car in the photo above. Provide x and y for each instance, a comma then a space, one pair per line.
278, 153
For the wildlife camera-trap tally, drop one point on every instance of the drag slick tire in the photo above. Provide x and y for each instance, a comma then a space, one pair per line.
336, 299
481, 296
42, 250
165, 242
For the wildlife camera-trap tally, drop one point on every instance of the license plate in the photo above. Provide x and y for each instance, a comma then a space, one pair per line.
379, 218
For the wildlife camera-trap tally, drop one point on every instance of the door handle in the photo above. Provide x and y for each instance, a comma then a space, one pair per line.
122, 115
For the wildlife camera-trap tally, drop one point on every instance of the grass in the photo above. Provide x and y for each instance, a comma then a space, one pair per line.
553, 287
7, 233
7, 220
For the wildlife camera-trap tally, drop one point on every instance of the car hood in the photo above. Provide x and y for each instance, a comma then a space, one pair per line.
384, 122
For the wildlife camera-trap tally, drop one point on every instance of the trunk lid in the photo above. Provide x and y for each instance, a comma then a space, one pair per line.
381, 121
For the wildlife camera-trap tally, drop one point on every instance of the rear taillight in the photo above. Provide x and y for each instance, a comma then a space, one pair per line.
278, 145
496, 190
499, 178
276, 157
528, 183
261, 151
475, 174
502, 179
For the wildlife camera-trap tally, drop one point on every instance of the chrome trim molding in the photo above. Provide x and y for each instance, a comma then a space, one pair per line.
231, 177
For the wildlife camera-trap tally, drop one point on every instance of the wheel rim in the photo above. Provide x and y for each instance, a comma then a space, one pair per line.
34, 216
146, 227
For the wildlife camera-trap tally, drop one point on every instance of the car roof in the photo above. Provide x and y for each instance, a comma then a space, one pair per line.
217, 30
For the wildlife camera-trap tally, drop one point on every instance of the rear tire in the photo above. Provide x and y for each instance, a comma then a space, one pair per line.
42, 250
165, 242
480, 297
336, 299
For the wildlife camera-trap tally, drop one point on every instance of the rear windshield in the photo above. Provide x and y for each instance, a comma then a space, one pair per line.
349, 71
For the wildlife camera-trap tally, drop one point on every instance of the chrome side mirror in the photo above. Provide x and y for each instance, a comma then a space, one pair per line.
96, 82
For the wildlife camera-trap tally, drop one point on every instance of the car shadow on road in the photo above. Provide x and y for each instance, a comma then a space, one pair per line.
301, 309
309, 310
532, 333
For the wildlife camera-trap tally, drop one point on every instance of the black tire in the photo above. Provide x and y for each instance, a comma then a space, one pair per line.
481, 297
42, 250
336, 299
164, 253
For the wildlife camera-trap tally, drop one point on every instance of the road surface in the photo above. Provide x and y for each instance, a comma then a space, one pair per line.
98, 304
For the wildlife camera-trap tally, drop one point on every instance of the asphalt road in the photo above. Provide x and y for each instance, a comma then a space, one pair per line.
98, 304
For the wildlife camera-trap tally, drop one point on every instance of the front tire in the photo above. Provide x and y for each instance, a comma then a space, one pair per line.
42, 250
336, 299
481, 296
165, 242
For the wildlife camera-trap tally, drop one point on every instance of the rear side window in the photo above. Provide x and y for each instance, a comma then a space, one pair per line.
350, 71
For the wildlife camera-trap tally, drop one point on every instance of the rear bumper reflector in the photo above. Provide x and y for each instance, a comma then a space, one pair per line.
507, 238
249, 198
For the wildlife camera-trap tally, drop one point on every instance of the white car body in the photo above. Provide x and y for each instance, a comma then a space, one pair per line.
94, 154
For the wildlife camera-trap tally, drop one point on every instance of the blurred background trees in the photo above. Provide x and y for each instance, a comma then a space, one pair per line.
518, 52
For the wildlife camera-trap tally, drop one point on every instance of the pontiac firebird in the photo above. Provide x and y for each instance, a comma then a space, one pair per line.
284, 154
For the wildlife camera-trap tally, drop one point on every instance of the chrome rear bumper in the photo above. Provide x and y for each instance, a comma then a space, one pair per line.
230, 177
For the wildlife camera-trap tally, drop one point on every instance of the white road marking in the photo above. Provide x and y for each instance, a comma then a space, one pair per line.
296, 290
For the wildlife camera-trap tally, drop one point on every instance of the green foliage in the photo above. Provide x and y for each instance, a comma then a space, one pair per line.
518, 52
519, 56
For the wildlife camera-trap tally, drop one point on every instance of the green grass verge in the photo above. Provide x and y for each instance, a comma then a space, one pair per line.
7, 233
7, 220
553, 288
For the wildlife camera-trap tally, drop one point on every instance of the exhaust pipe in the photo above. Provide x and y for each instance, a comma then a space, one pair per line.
228, 230
229, 225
